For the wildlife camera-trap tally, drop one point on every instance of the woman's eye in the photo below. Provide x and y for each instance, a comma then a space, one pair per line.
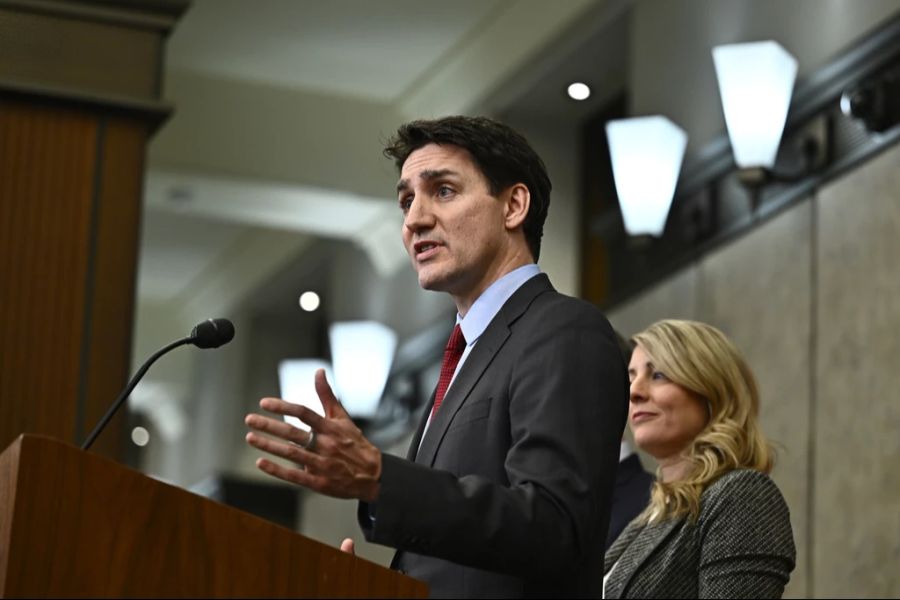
659, 375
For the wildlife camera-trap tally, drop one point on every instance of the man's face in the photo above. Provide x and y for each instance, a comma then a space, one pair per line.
453, 229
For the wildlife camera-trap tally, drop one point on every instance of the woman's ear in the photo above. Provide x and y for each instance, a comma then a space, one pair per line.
517, 203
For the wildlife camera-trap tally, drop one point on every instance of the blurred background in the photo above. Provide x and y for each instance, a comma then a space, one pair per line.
266, 183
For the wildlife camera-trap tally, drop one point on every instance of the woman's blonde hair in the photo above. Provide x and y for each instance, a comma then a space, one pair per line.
701, 359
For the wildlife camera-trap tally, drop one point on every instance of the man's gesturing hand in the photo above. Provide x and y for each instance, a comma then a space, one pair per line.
336, 460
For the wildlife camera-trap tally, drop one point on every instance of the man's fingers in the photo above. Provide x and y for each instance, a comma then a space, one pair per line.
281, 407
287, 450
347, 546
333, 408
307, 479
276, 427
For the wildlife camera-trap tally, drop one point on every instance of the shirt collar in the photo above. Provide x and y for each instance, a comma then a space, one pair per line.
492, 300
625, 450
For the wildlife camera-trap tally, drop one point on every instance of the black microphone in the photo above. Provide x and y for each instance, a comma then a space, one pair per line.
211, 333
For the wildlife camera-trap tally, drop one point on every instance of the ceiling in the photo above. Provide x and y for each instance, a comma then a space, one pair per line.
281, 107
360, 48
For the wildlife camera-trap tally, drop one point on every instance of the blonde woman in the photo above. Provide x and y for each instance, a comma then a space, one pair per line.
716, 526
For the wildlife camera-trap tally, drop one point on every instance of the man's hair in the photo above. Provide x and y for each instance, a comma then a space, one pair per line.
502, 155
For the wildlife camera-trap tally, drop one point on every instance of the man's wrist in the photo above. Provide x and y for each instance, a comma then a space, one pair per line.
373, 487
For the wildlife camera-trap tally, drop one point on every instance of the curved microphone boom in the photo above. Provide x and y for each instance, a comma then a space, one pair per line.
211, 333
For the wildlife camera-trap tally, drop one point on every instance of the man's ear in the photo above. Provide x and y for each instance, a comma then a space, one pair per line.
517, 203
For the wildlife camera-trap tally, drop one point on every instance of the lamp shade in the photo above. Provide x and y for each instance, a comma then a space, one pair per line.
646, 157
296, 378
362, 353
756, 81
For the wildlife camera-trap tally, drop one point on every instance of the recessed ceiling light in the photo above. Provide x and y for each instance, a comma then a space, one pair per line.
140, 436
579, 91
309, 301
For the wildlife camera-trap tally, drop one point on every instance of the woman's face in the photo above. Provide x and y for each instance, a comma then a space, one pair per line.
664, 416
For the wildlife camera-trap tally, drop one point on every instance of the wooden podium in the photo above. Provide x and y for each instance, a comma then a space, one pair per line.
75, 524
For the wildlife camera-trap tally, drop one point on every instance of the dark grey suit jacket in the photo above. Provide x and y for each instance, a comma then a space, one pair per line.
741, 546
630, 496
509, 494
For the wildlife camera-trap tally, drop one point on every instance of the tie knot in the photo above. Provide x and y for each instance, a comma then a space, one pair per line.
457, 341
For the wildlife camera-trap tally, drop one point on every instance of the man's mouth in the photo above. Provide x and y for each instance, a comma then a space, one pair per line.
424, 248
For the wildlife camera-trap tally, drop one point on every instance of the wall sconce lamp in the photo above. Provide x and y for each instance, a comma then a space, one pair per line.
362, 353
756, 81
646, 155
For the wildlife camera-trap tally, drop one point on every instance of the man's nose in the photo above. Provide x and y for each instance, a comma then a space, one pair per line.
419, 216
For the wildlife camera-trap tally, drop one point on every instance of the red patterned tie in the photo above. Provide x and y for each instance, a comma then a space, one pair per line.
455, 346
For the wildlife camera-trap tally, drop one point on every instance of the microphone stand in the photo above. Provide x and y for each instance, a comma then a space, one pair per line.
133, 382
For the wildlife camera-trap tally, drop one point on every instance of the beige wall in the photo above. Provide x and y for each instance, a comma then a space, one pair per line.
812, 297
856, 506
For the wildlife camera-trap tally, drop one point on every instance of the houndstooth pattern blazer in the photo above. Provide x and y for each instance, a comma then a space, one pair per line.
741, 546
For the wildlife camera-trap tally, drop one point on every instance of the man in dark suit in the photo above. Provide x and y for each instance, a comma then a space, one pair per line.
631, 494
632, 491
506, 488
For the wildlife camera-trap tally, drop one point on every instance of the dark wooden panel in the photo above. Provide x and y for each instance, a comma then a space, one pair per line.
47, 160
79, 92
8, 471
113, 283
66, 52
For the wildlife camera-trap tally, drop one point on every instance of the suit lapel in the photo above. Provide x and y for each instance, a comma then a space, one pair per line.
641, 546
417, 438
618, 547
481, 356
478, 360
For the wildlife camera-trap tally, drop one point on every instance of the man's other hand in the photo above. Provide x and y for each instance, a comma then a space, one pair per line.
333, 458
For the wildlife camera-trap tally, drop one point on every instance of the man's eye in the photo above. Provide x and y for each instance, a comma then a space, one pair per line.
405, 203
444, 191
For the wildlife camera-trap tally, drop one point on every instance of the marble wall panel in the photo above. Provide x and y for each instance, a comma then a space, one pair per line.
857, 429
757, 290
673, 298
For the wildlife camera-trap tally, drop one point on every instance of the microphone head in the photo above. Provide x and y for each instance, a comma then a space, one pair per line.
212, 333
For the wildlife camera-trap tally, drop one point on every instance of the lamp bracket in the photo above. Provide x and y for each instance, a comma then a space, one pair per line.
809, 153
875, 101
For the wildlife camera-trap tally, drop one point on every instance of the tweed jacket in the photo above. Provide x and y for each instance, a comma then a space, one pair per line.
741, 546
